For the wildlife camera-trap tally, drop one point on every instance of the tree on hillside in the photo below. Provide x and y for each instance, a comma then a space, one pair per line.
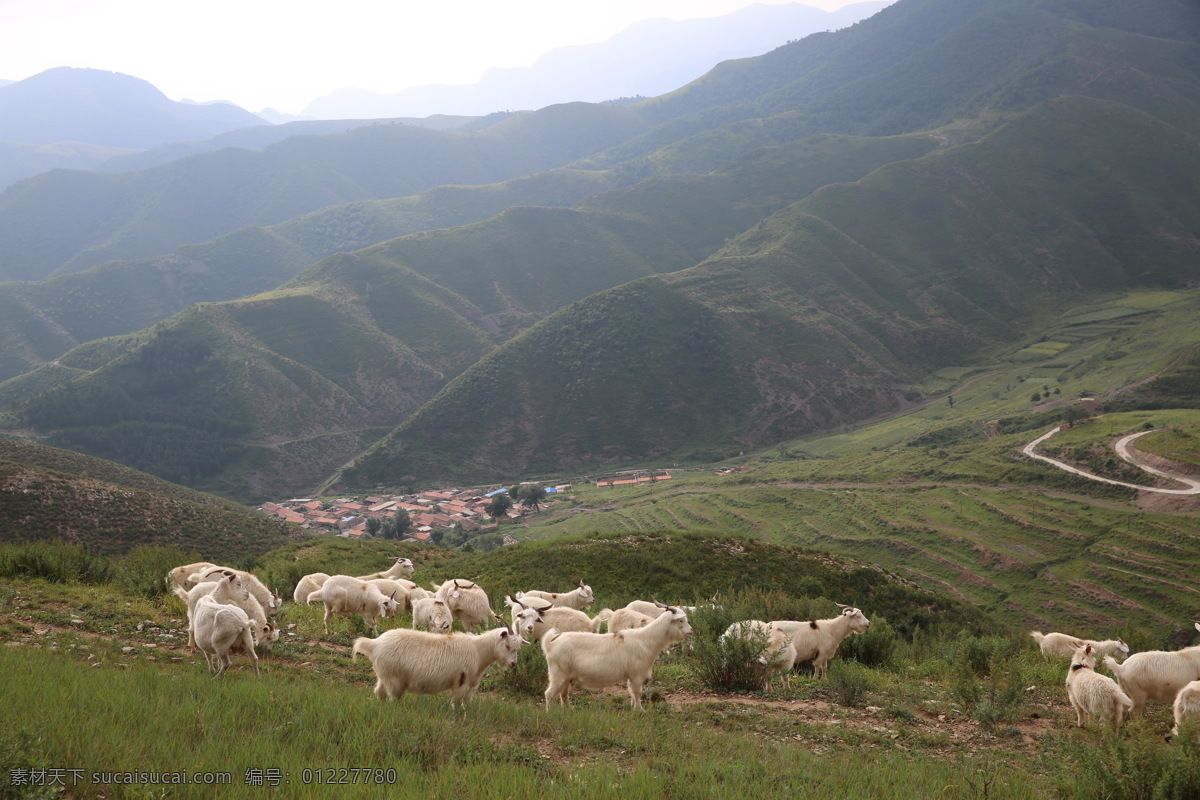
1072, 414
529, 495
374, 526
499, 505
397, 525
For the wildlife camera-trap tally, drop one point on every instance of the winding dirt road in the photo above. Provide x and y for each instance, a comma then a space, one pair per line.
1122, 449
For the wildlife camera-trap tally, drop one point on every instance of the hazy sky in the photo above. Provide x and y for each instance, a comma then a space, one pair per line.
285, 53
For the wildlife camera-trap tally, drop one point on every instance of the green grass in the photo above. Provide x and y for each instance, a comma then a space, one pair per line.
941, 716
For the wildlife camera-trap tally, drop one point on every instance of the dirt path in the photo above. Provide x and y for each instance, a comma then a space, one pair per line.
1122, 449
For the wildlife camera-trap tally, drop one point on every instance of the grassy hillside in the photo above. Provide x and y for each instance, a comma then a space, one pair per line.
53, 495
941, 494
830, 310
443, 297
965, 714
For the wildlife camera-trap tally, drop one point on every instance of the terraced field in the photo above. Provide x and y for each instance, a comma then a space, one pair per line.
942, 494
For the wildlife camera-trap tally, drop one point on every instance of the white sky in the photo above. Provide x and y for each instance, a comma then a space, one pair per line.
284, 54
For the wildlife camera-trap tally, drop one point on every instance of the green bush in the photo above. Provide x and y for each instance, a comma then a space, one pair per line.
529, 677
143, 569
58, 562
1136, 763
850, 682
989, 679
729, 664
874, 648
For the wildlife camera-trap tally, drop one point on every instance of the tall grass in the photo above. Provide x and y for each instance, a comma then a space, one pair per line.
308, 731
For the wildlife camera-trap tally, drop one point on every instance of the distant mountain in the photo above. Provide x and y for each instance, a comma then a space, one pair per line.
61, 221
19, 161
108, 109
648, 59
262, 136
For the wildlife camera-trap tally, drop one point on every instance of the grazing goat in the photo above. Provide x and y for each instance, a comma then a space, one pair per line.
432, 614
818, 640
1092, 694
227, 588
578, 598
403, 568
597, 660
1156, 675
428, 663
218, 627
467, 601
346, 596
1061, 644
652, 608
777, 655
558, 617
624, 618
1187, 708
393, 589
308, 584
269, 599
179, 576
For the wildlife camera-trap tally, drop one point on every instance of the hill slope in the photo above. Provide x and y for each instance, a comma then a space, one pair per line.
827, 310
49, 494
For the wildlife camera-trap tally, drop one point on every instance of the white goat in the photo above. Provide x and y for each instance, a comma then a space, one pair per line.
777, 655
597, 660
652, 608
467, 601
561, 618
1156, 674
218, 627
179, 576
225, 588
393, 589
624, 618
345, 595
1092, 694
432, 614
1062, 644
403, 568
1187, 708
818, 640
578, 598
269, 599
428, 663
308, 584
524, 618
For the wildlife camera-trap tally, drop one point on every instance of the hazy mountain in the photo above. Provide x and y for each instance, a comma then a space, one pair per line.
106, 108
63, 221
260, 137
19, 161
647, 59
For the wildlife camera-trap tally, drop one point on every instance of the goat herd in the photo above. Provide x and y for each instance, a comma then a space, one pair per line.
230, 609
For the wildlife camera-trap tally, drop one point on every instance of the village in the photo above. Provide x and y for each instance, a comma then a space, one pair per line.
433, 513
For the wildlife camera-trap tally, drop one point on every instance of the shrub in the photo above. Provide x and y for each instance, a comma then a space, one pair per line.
725, 664
143, 569
850, 682
1136, 763
57, 562
999, 696
874, 648
529, 677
